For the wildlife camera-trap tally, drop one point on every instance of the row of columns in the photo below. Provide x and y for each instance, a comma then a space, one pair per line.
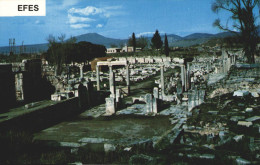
111, 79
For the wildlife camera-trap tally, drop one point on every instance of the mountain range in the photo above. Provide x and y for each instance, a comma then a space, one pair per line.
173, 40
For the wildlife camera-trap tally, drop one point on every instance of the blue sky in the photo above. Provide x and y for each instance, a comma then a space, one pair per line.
111, 18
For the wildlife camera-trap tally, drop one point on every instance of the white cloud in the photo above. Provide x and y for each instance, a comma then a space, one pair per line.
79, 26
89, 10
97, 17
99, 26
74, 19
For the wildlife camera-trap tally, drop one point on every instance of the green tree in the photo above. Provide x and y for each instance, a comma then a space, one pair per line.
244, 21
142, 42
55, 54
166, 46
156, 41
88, 51
132, 41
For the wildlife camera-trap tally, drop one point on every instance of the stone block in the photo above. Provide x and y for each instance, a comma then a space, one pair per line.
109, 147
249, 109
110, 106
254, 118
241, 93
245, 123
238, 138
255, 94
56, 97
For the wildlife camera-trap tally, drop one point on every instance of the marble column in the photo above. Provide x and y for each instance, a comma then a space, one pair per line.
98, 78
156, 92
128, 79
182, 77
112, 82
81, 71
162, 80
188, 76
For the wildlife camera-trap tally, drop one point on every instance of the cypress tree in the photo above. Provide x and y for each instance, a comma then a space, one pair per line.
134, 41
166, 46
156, 41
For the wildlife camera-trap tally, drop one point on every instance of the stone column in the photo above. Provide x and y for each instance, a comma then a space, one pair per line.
81, 71
188, 75
68, 74
128, 79
182, 77
149, 103
112, 82
155, 105
156, 92
162, 80
185, 78
190, 100
118, 92
98, 78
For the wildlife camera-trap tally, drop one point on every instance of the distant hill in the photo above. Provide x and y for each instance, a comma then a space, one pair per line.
99, 39
174, 40
198, 36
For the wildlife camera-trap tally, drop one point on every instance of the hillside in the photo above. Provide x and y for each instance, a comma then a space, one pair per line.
174, 40
99, 39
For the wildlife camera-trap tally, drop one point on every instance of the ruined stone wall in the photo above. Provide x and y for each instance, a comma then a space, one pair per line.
43, 116
7, 87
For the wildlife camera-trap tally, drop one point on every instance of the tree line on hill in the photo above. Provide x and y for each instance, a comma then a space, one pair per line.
156, 43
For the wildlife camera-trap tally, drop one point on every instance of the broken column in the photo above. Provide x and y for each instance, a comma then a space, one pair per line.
182, 77
185, 78
112, 82
118, 95
155, 98
162, 80
98, 78
190, 100
188, 76
81, 71
154, 110
110, 106
128, 79
156, 92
